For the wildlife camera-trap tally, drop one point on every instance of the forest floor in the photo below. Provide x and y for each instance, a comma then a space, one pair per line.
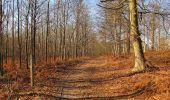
101, 78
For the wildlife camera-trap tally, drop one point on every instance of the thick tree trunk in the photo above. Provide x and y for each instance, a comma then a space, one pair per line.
137, 44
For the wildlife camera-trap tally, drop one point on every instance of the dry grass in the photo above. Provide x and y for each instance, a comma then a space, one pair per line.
91, 78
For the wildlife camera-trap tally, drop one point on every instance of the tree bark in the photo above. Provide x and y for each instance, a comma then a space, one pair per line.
47, 33
33, 39
152, 34
13, 35
135, 35
19, 40
27, 36
7, 34
1, 40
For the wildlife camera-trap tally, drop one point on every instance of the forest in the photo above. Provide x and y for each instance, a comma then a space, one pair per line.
84, 50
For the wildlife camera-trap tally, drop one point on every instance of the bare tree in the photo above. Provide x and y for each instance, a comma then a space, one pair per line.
19, 37
13, 34
47, 33
7, 31
1, 40
137, 44
33, 39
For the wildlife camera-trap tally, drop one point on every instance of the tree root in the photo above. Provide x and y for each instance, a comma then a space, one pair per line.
150, 68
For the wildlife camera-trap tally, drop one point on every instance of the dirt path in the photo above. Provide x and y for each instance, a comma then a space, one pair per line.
92, 79
103, 78
78, 80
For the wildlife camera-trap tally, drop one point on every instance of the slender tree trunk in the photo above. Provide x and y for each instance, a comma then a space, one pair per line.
119, 38
128, 42
144, 28
19, 40
137, 44
77, 27
34, 32
33, 40
27, 36
42, 38
13, 35
7, 34
152, 34
31, 72
21, 37
61, 39
47, 33
56, 29
64, 36
1, 40
159, 35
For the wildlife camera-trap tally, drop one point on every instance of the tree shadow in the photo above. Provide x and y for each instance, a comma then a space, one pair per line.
131, 94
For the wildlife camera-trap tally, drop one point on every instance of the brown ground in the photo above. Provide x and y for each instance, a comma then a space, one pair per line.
102, 78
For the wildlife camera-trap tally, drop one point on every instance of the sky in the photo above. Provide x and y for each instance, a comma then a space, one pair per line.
92, 5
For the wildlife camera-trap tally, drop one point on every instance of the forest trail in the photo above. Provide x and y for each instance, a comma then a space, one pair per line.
95, 79
102, 78
80, 81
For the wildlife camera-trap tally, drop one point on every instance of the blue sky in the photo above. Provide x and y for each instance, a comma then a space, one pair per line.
92, 6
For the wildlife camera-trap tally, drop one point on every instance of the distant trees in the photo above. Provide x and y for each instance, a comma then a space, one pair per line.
34, 31
163, 43
124, 29
43, 30
152, 27
115, 27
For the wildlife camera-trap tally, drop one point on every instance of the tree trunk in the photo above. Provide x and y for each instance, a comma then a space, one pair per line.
33, 39
1, 40
47, 33
13, 35
7, 34
19, 40
31, 72
137, 44
152, 34
56, 15
27, 36
159, 35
